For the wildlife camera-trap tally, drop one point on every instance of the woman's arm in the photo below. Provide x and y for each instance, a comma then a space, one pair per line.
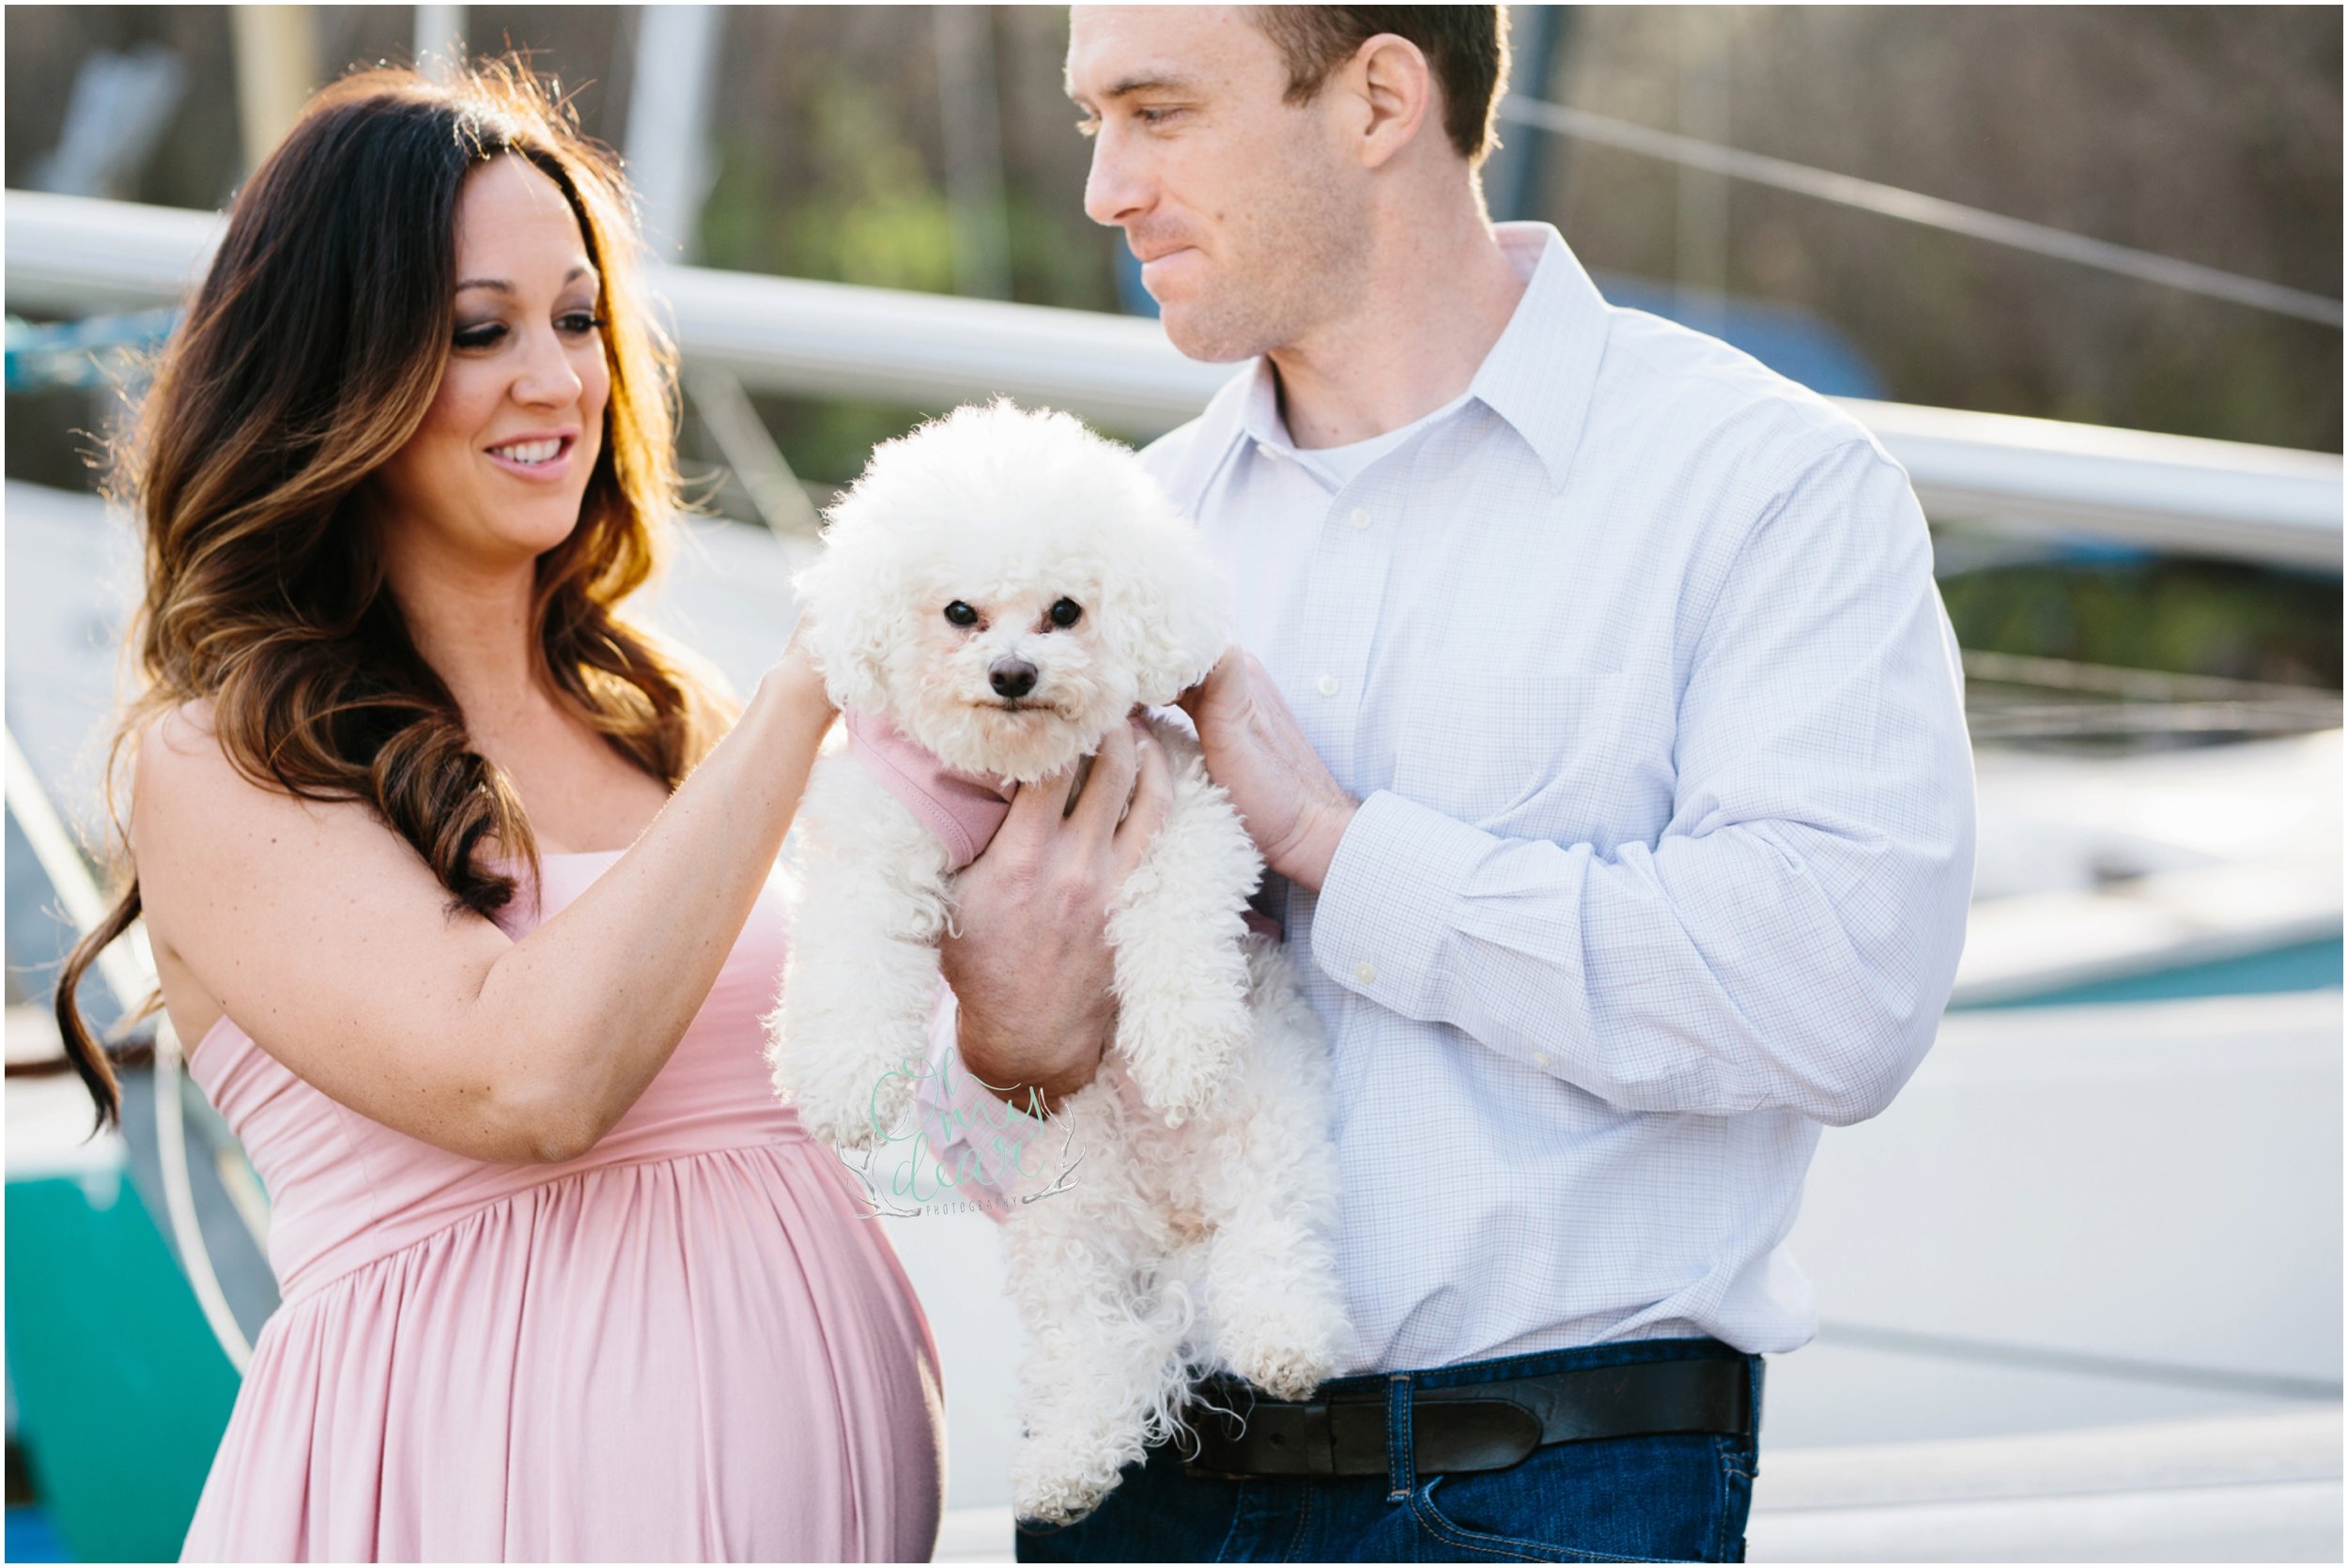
328, 939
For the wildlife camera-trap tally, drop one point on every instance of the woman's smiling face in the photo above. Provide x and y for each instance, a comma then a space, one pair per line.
496, 472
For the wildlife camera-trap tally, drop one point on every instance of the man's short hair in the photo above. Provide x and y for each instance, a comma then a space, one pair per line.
1466, 47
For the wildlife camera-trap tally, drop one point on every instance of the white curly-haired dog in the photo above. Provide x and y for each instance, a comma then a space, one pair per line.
1002, 587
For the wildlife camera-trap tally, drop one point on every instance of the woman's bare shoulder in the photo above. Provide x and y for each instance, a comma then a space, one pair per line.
181, 772
194, 806
181, 735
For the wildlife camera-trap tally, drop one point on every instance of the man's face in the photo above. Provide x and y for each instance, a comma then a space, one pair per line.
1247, 213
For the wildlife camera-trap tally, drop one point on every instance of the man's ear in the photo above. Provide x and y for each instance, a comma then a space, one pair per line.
1390, 75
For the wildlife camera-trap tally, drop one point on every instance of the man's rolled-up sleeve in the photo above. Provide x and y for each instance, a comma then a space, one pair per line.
1791, 937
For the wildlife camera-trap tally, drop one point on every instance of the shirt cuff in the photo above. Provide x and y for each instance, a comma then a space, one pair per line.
1384, 918
977, 1149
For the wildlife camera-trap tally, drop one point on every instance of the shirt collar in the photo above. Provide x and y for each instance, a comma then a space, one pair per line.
1539, 377
1259, 407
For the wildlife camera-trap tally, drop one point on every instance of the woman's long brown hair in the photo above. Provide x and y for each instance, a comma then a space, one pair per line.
308, 356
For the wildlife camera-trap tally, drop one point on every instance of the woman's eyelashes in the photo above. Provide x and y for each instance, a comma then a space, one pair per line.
575, 323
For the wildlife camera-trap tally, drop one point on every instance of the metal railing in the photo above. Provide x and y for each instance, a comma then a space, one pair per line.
72, 255
2021, 696
128, 968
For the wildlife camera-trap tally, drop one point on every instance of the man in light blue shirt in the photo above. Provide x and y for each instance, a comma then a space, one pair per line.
1602, 725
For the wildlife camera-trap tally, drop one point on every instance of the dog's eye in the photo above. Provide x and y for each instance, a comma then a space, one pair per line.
1066, 612
962, 614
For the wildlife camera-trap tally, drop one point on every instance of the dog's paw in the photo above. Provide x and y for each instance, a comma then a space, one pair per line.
1286, 1352
1055, 1498
1176, 1113
1181, 1087
1291, 1375
1181, 1056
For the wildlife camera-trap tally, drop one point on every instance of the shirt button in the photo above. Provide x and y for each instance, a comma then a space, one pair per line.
1268, 450
1365, 972
1326, 686
1540, 1058
1360, 518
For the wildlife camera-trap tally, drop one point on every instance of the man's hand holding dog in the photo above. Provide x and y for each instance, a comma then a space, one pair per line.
1031, 968
1295, 809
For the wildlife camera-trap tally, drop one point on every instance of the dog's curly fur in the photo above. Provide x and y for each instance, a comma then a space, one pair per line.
1199, 1228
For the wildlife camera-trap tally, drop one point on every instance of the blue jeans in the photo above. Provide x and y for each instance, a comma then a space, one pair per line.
1676, 1496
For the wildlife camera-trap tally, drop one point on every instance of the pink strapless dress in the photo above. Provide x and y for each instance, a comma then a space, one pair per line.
684, 1346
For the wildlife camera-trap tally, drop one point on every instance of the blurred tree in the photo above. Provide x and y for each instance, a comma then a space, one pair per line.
2192, 616
831, 164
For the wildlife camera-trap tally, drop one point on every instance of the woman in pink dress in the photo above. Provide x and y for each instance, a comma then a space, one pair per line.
462, 897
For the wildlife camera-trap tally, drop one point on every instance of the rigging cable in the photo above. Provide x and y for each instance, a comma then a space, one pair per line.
1890, 201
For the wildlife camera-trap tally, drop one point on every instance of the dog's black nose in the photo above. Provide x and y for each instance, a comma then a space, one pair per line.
1012, 678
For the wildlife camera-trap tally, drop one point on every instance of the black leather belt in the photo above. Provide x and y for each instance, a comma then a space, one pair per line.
1476, 1426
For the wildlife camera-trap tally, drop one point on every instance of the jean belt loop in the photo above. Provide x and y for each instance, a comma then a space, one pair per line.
1401, 1455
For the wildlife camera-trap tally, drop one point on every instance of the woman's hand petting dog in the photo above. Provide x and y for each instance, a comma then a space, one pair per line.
1293, 808
1031, 965
794, 673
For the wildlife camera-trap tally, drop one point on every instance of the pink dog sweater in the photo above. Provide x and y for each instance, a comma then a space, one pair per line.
961, 809
964, 809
